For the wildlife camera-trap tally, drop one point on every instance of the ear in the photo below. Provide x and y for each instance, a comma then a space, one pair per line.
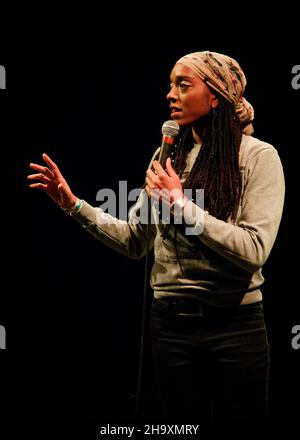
214, 102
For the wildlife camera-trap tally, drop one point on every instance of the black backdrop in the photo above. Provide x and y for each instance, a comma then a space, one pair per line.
90, 91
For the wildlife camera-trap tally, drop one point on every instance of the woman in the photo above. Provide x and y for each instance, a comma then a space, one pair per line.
210, 347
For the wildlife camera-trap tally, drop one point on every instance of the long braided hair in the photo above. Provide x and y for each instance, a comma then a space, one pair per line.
216, 168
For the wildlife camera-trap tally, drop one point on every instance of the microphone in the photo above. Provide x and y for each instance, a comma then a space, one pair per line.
169, 130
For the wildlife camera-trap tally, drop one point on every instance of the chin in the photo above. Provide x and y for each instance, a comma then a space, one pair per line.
178, 120
182, 123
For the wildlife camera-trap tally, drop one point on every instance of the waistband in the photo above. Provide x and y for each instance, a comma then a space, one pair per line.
195, 307
214, 299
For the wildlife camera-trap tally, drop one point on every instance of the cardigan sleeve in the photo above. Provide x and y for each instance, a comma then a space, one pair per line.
127, 237
249, 240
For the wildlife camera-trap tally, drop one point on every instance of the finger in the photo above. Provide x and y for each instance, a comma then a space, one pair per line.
42, 169
38, 176
52, 165
152, 176
150, 182
169, 168
158, 168
153, 189
38, 185
153, 193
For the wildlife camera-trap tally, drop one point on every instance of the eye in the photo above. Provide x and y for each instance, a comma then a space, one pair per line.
183, 85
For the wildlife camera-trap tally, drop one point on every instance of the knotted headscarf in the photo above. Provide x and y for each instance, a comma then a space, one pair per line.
223, 74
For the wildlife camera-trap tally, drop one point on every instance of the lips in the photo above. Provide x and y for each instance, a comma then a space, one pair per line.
175, 112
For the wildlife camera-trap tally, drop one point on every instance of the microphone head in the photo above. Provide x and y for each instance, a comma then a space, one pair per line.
170, 128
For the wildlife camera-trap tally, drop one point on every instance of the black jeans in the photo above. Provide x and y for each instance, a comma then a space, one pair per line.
211, 367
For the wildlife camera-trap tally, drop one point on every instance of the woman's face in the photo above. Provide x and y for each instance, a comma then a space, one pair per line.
189, 96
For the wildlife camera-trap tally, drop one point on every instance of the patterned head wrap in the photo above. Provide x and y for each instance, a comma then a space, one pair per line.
224, 75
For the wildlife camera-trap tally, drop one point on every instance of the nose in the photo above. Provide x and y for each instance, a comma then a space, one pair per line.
172, 95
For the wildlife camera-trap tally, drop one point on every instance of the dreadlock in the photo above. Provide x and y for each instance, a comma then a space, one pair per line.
216, 168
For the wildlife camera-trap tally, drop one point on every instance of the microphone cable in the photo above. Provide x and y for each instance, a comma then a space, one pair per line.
169, 130
144, 314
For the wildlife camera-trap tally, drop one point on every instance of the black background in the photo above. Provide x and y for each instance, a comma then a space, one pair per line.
89, 89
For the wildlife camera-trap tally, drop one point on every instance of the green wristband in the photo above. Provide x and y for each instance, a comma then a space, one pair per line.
75, 208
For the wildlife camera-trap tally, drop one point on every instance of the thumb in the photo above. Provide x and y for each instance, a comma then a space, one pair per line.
170, 170
67, 198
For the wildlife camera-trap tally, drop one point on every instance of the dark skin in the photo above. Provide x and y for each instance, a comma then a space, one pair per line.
52, 182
